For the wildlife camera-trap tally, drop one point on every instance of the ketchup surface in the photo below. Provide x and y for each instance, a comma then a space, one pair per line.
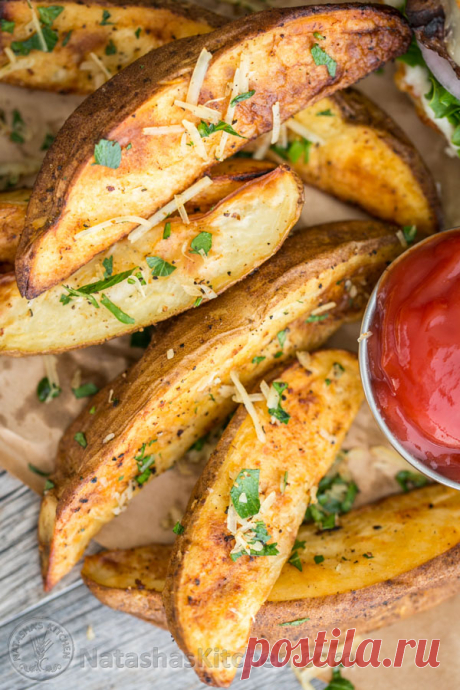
414, 352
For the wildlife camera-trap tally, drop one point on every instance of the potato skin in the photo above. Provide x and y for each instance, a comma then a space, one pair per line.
367, 160
159, 21
111, 577
311, 268
427, 19
210, 600
69, 182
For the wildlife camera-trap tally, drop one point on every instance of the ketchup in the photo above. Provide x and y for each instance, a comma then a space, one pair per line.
414, 352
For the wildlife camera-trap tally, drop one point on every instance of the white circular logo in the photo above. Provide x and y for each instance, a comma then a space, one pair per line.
40, 648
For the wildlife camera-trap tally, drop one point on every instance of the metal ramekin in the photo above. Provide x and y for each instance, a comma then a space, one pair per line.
367, 384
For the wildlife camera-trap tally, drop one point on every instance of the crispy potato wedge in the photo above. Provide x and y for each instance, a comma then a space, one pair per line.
216, 580
246, 228
432, 28
117, 32
13, 207
415, 565
72, 193
165, 404
364, 158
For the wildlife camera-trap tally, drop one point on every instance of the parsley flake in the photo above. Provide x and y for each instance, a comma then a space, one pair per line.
278, 412
167, 231
46, 391
116, 311
105, 17
202, 242
320, 57
108, 154
108, 266
7, 26
80, 438
247, 483
242, 97
86, 390
160, 267
206, 129
297, 621
178, 528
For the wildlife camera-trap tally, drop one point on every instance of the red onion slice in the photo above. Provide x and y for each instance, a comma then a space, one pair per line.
442, 70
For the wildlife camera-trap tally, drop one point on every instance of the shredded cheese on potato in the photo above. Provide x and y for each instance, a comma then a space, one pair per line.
302, 131
50, 362
276, 122
196, 139
101, 65
114, 221
16, 65
323, 308
181, 209
247, 402
200, 111
170, 207
198, 77
164, 129
262, 150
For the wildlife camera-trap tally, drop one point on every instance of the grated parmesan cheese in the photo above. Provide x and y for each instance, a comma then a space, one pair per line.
37, 27
302, 131
247, 402
114, 221
276, 123
17, 64
181, 209
304, 359
194, 135
265, 388
323, 308
198, 76
170, 353
108, 438
164, 129
262, 150
273, 398
200, 111
402, 239
97, 61
50, 363
327, 436
170, 207
267, 503
364, 336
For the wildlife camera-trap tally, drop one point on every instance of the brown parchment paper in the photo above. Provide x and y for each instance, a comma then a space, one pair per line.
30, 430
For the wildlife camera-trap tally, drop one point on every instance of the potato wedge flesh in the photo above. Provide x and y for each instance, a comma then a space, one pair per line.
70, 68
71, 192
13, 207
412, 529
211, 600
313, 268
246, 228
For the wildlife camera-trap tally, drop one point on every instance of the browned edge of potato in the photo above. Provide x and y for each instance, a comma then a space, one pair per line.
132, 580
211, 599
367, 160
317, 266
117, 32
245, 228
71, 193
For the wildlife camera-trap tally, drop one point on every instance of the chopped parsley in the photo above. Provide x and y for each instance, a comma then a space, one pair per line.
320, 57
199, 444
37, 470
202, 242
93, 410
66, 38
48, 485
46, 391
206, 129
285, 481
369, 554
111, 48
318, 559
144, 465
338, 682
178, 528
258, 359
409, 232
116, 311
294, 558
281, 336
338, 370
137, 33
105, 18
198, 301
7, 26
261, 536
408, 480
47, 141
167, 231
246, 487
296, 621
318, 36
108, 266
80, 438
88, 290
49, 14
18, 125
335, 496
108, 154
316, 317
160, 267
325, 113
242, 97
295, 150
86, 390
278, 412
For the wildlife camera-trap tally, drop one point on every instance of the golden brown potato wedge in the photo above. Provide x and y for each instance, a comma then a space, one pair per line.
13, 207
244, 513
176, 393
413, 538
364, 158
278, 57
88, 42
243, 230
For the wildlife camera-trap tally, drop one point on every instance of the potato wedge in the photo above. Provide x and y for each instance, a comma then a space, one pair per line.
165, 404
245, 229
73, 193
364, 158
219, 576
116, 32
13, 207
415, 566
